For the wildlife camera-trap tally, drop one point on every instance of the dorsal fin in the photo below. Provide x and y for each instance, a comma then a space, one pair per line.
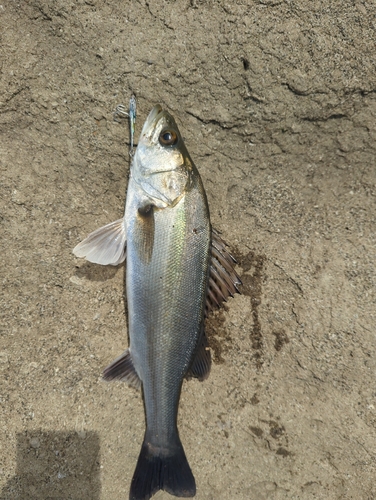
201, 364
223, 279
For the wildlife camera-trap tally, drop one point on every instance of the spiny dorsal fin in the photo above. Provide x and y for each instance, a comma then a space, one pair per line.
223, 279
122, 368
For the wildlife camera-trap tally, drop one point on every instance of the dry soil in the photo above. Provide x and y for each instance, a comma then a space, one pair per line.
276, 100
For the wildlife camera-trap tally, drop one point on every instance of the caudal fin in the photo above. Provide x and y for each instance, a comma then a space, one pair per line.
157, 470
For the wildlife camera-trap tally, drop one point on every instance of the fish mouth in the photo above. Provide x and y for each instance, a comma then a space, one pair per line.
152, 119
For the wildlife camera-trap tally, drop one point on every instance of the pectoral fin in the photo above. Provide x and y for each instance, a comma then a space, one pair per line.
144, 232
105, 245
223, 279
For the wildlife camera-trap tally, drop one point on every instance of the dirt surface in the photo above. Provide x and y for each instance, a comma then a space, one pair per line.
277, 104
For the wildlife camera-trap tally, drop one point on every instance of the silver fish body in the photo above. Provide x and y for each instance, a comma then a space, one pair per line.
166, 290
168, 242
177, 269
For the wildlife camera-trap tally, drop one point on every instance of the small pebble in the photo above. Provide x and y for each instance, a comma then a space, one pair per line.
81, 434
34, 442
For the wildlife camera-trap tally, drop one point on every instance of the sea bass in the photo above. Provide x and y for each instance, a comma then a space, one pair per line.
177, 269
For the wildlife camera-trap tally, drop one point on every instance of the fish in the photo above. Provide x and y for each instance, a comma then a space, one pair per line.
178, 269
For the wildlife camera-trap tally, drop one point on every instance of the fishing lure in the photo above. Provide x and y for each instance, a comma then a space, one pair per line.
121, 112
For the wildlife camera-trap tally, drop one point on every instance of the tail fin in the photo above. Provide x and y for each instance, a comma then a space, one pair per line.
161, 469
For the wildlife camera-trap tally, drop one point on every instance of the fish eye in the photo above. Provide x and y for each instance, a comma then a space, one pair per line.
168, 138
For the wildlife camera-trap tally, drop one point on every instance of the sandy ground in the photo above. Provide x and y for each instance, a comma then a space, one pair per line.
277, 103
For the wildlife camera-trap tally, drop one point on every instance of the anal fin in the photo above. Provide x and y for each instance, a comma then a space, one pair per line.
122, 368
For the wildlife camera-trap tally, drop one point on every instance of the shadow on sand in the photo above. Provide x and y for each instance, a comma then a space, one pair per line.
55, 466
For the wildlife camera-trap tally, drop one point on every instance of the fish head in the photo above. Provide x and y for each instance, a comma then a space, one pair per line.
161, 164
